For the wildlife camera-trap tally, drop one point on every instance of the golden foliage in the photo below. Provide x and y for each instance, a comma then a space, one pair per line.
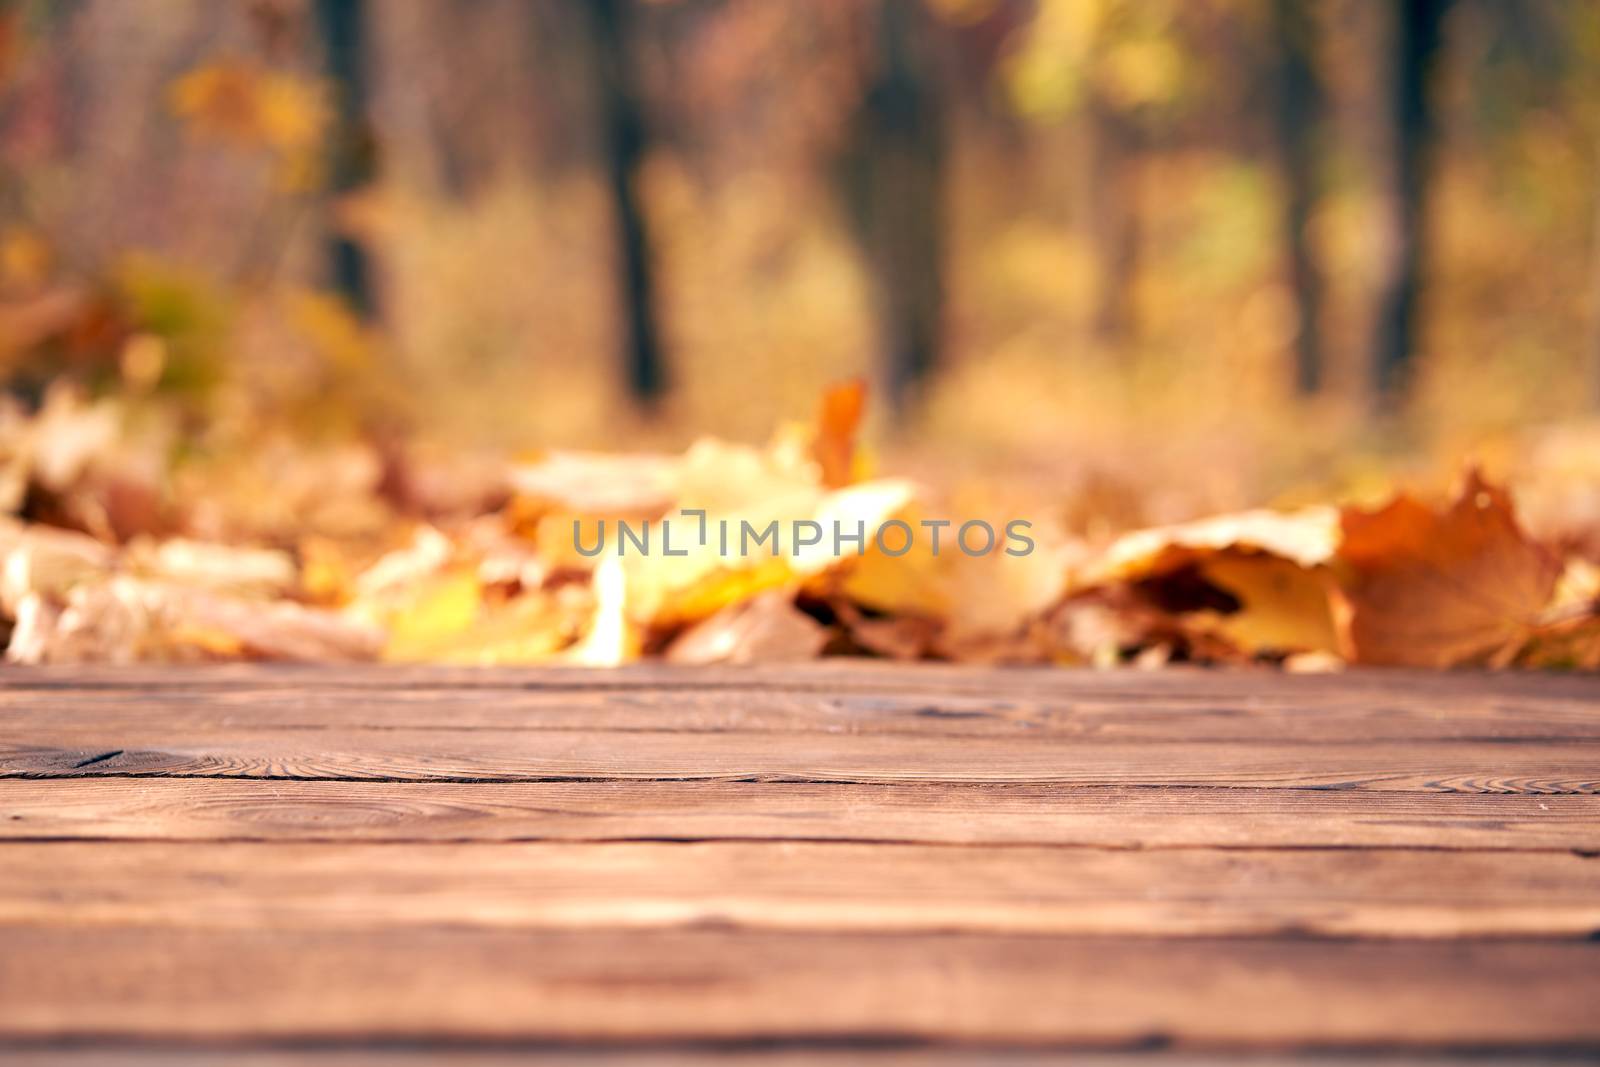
103, 559
247, 105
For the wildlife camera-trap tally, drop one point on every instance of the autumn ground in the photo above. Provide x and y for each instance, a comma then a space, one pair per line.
115, 550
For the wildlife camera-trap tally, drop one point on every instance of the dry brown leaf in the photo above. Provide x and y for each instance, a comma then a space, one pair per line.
1568, 634
767, 628
26, 323
125, 619
394, 572
597, 484
34, 622
278, 630
1113, 625
84, 466
46, 561
69, 436
1437, 588
898, 637
440, 486
1096, 630
260, 572
1569, 644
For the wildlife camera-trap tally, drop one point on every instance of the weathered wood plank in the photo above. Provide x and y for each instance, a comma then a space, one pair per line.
1106, 817
829, 676
878, 1053
516, 882
805, 886
1207, 713
435, 983
422, 755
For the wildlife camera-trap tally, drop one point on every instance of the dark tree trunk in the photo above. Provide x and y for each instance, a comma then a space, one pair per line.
1115, 228
622, 148
894, 173
1415, 53
352, 149
1299, 116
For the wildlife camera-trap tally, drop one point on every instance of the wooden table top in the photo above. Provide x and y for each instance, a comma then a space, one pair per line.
842, 859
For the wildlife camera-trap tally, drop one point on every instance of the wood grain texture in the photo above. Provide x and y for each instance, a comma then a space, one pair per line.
711, 984
828, 677
1142, 712
505, 1053
472, 755
199, 809
844, 854
805, 886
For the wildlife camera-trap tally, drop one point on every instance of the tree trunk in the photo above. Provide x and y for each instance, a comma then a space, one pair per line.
1299, 115
622, 148
1116, 225
894, 174
1415, 52
352, 149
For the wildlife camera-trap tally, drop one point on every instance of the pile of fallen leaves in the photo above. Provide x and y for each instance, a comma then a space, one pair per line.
112, 551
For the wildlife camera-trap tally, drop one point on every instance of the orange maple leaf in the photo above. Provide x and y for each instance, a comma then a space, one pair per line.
1437, 588
838, 419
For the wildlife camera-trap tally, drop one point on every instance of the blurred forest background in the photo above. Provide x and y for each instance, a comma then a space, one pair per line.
1246, 245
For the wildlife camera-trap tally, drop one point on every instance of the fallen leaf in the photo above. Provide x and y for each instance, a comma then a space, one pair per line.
975, 598
436, 612
1283, 606
767, 628
596, 484
610, 640
1437, 588
1307, 537
44, 561
260, 572
838, 419
898, 637
1257, 580
125, 619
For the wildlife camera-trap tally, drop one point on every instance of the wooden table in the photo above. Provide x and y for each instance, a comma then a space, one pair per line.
844, 858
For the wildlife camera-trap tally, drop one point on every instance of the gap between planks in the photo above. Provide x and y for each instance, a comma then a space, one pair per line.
825, 677
1205, 712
